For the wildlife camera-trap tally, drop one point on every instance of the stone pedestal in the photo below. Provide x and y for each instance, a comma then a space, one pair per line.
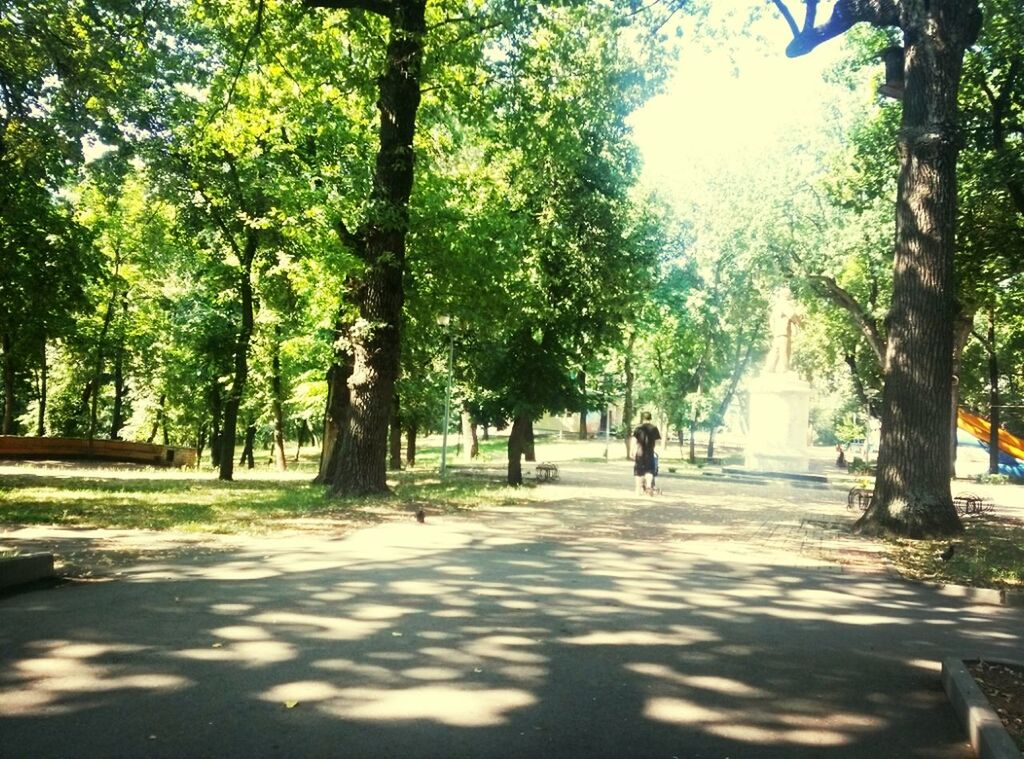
779, 411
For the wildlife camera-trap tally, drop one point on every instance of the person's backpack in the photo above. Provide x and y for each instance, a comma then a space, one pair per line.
644, 439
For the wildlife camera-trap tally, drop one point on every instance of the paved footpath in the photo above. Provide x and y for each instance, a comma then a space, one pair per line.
718, 619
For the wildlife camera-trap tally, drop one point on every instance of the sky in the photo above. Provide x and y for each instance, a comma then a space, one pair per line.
722, 105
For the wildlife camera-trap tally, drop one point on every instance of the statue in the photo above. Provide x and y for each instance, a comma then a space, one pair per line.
782, 322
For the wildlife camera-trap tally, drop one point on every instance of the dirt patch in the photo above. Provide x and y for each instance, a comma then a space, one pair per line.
1003, 685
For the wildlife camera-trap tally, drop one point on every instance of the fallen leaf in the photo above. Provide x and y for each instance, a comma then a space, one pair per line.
290, 704
218, 645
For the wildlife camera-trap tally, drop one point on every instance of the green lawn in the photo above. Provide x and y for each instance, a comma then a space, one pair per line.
990, 554
160, 500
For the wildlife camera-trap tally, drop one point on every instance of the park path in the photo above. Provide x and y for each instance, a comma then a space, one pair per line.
713, 620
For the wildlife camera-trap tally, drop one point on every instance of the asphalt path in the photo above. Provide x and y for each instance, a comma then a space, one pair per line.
718, 619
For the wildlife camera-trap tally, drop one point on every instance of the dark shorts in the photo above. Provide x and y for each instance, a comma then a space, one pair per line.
644, 465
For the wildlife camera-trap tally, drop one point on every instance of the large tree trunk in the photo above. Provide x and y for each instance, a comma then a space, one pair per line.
530, 445
912, 495
339, 403
517, 441
380, 243
470, 441
97, 378
248, 456
120, 389
912, 487
227, 458
277, 404
117, 415
8, 369
627, 401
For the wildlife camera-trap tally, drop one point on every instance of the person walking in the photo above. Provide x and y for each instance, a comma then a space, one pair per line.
645, 456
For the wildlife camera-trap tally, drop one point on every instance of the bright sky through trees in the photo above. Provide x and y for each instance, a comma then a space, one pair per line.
729, 98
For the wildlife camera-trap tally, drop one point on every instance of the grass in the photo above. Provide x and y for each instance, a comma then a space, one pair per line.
198, 502
990, 554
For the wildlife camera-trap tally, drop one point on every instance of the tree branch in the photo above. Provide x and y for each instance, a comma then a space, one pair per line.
832, 290
349, 238
845, 13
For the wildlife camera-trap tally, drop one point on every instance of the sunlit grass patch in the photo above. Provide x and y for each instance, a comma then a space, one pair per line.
157, 500
990, 554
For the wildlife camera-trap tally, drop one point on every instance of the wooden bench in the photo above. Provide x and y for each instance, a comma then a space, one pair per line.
547, 472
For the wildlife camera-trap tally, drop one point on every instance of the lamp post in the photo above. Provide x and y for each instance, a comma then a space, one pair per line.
445, 321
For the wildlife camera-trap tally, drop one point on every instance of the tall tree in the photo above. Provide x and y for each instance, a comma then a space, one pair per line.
380, 244
912, 492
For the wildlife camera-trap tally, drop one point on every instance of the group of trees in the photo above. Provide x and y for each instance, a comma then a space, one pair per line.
209, 208
214, 206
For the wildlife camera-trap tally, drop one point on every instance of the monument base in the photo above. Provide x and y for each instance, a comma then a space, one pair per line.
777, 462
779, 411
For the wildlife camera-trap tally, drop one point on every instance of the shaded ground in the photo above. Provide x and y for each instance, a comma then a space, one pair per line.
715, 620
1003, 685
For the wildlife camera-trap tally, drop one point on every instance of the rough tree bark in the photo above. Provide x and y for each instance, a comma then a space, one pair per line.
380, 244
120, 386
248, 453
627, 401
234, 401
517, 441
93, 388
339, 398
912, 490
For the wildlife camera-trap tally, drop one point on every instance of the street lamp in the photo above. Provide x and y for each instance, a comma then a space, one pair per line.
445, 321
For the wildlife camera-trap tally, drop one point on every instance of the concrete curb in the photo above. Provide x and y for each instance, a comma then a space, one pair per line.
994, 596
991, 596
22, 569
987, 734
